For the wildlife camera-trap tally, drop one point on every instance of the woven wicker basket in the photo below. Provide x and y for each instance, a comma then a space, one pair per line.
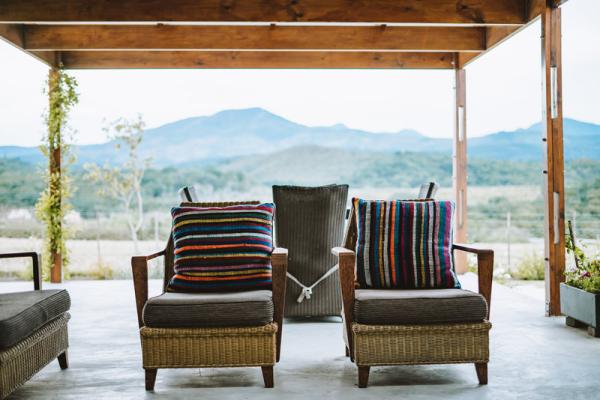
209, 347
23, 360
421, 344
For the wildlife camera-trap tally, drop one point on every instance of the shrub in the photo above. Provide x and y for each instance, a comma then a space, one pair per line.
586, 274
531, 268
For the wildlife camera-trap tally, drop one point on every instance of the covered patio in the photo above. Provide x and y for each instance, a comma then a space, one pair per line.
532, 356
440, 34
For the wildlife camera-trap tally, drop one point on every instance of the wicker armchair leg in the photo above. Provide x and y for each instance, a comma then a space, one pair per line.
150, 378
363, 376
482, 373
63, 360
267, 373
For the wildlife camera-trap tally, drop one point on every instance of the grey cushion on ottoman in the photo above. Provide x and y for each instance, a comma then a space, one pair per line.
199, 310
22, 313
421, 306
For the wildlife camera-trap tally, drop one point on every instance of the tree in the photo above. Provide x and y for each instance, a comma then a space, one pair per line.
124, 183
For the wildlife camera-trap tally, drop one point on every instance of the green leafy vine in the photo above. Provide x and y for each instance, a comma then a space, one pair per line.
53, 204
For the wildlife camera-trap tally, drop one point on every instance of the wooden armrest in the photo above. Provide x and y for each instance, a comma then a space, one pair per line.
36, 265
347, 265
485, 269
342, 251
279, 263
139, 269
470, 248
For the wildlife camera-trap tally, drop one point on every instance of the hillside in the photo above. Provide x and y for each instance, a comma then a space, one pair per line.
234, 133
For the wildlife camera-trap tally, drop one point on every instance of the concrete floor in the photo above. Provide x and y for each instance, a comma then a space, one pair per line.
532, 357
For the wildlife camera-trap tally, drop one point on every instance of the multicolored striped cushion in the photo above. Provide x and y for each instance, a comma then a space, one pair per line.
222, 248
405, 244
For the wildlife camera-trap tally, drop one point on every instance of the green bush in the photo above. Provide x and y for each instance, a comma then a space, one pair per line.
531, 268
586, 274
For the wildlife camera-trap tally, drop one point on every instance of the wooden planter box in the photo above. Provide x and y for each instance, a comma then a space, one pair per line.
581, 308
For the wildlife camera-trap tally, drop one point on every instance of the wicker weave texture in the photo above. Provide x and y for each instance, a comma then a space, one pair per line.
23, 360
309, 221
209, 347
421, 344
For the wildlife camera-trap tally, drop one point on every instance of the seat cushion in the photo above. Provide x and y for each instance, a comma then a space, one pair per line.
22, 313
418, 306
404, 244
197, 310
222, 249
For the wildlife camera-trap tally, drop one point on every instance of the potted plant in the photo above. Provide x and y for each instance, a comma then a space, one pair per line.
580, 294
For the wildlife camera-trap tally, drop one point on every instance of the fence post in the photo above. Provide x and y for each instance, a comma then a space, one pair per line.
508, 224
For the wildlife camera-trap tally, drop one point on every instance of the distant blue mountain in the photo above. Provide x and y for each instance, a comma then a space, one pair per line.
234, 133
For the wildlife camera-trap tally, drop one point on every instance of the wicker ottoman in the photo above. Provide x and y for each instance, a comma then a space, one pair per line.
23, 360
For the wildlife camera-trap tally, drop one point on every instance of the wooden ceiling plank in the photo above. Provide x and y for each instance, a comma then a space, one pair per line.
255, 60
340, 11
170, 37
13, 34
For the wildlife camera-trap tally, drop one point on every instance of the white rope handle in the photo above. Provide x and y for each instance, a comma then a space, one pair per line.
307, 290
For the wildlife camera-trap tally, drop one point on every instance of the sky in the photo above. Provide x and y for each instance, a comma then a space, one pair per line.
503, 91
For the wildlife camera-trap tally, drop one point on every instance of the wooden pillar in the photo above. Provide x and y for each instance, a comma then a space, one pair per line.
552, 139
459, 166
54, 166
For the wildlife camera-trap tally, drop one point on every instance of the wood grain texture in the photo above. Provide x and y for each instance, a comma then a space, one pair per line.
384, 11
485, 270
363, 376
139, 270
267, 373
552, 140
460, 166
63, 360
150, 378
171, 37
255, 60
279, 263
482, 373
347, 267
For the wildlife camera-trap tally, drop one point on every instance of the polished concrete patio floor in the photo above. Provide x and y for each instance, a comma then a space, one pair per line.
532, 357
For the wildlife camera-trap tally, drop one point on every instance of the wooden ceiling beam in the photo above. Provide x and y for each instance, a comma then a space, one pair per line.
255, 60
312, 11
333, 38
13, 34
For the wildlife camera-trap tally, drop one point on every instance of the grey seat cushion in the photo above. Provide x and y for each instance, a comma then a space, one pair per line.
196, 310
421, 306
23, 313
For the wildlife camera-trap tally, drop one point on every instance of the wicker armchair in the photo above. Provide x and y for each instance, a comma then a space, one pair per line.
210, 345
33, 330
377, 343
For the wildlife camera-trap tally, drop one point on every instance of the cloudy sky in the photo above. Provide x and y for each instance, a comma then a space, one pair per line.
503, 90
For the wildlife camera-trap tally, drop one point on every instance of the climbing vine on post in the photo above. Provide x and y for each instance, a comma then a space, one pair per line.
53, 203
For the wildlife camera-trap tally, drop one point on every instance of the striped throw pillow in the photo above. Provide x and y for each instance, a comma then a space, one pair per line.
222, 248
405, 244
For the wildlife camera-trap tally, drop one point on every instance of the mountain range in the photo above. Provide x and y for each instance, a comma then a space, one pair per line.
231, 134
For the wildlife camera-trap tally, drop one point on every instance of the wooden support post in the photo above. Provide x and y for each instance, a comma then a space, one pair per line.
54, 166
552, 139
459, 166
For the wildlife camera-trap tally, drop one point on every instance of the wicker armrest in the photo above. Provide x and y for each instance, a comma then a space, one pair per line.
139, 269
35, 258
279, 263
485, 269
347, 262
